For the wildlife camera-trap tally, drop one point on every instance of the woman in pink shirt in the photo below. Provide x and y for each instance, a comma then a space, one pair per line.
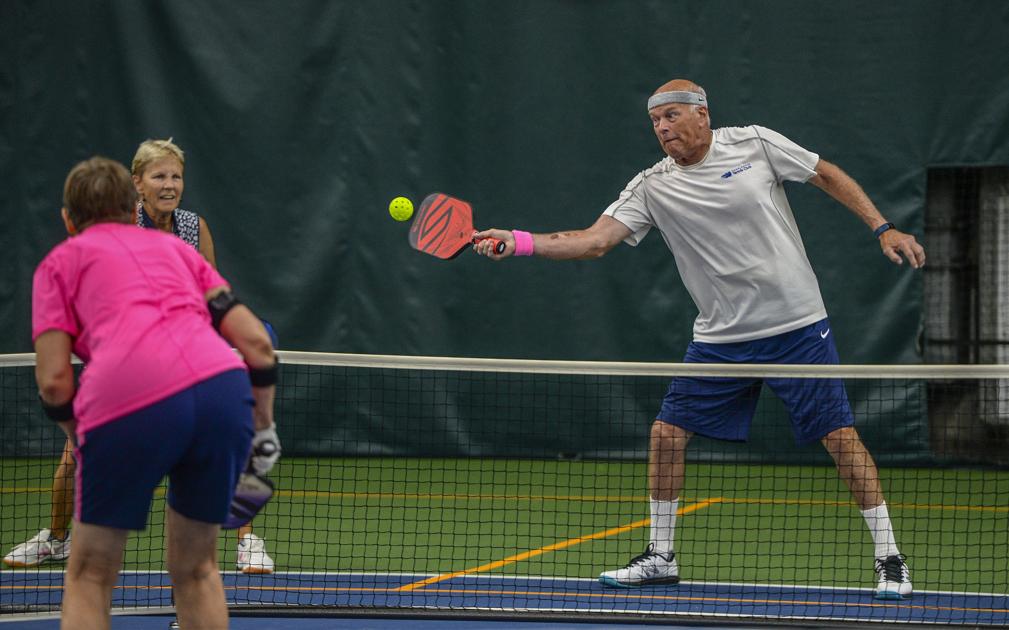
158, 169
162, 392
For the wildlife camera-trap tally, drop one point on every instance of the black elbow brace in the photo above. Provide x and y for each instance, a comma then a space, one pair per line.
58, 413
219, 305
264, 377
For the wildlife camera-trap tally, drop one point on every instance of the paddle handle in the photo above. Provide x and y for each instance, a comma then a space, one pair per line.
499, 245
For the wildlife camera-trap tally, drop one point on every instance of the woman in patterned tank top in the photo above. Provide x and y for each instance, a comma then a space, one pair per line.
158, 175
158, 168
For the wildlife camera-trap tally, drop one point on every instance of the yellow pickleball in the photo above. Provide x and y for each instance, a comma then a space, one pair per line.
401, 208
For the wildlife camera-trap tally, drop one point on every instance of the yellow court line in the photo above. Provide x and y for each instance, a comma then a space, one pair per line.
463, 497
525, 555
613, 498
903, 506
17, 489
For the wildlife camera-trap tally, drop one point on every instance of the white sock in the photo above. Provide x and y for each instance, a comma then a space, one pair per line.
663, 525
878, 520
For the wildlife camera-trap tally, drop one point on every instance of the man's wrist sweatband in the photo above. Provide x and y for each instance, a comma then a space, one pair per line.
219, 306
264, 377
883, 228
58, 413
523, 243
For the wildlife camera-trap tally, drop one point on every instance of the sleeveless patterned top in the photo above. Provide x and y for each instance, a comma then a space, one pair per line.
185, 224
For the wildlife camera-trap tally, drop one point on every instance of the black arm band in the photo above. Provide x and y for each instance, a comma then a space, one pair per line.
219, 306
58, 413
883, 228
264, 377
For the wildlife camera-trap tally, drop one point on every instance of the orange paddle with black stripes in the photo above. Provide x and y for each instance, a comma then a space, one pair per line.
443, 227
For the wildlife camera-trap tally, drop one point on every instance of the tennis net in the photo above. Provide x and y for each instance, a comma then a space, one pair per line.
445, 485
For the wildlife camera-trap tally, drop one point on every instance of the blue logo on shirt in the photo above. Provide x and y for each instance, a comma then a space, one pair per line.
737, 170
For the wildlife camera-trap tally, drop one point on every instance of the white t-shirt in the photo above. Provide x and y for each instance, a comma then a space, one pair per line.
728, 223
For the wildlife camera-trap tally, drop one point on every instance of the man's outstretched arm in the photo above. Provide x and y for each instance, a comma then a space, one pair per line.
839, 185
592, 242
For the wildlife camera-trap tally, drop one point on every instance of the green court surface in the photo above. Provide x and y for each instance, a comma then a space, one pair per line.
738, 522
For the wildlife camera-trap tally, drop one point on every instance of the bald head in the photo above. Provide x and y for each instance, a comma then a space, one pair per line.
680, 85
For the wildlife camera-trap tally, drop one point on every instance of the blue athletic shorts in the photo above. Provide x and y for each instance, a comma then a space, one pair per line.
722, 408
200, 438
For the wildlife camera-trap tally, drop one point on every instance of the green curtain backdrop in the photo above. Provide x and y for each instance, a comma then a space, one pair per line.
301, 120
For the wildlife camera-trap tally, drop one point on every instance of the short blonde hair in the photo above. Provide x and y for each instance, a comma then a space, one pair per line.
151, 150
98, 190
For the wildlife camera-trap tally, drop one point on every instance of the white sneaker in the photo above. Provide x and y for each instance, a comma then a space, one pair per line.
42, 548
894, 578
648, 568
252, 556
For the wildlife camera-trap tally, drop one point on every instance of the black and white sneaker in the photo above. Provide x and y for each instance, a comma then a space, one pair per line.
894, 578
644, 570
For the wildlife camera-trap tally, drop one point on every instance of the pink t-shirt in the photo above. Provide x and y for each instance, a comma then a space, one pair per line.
133, 301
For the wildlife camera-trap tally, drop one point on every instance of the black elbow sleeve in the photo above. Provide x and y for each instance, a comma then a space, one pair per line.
219, 305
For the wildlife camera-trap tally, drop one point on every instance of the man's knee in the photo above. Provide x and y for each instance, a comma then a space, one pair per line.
842, 437
666, 431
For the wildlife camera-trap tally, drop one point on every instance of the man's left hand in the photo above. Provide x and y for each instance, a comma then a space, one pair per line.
894, 243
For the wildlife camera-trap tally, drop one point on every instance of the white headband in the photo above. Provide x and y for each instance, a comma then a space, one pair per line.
664, 98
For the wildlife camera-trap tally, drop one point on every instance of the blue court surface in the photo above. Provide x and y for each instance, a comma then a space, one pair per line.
160, 622
684, 603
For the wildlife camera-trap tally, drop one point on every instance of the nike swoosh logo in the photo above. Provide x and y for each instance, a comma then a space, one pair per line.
824, 334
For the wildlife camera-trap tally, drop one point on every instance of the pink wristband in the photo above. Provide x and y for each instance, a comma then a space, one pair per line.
523, 243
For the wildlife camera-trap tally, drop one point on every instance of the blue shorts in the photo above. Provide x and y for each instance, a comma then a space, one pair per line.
200, 438
722, 408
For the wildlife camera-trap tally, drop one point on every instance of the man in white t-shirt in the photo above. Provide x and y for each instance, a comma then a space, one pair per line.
718, 201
